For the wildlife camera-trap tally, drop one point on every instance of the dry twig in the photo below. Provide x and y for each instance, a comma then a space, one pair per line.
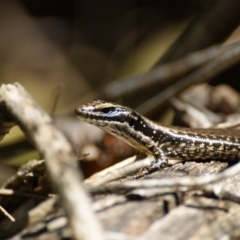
59, 158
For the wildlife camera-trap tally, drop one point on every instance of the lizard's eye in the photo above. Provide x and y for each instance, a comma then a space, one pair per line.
132, 122
106, 110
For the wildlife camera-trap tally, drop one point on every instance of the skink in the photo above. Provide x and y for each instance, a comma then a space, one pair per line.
161, 141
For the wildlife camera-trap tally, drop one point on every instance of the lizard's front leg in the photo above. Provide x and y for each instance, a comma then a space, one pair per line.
161, 161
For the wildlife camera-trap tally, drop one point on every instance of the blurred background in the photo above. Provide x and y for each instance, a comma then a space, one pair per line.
82, 45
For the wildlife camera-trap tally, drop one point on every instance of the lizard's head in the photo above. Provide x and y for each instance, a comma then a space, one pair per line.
105, 114
117, 120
